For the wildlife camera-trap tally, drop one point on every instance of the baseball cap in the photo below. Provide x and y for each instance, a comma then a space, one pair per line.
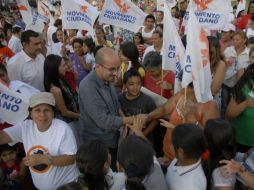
229, 27
42, 98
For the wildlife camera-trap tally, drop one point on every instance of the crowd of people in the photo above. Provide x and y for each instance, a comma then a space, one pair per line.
91, 124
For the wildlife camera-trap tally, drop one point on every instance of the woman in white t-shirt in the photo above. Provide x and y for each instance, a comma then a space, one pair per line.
221, 144
49, 144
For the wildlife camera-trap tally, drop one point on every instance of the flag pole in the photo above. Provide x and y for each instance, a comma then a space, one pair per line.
185, 96
162, 76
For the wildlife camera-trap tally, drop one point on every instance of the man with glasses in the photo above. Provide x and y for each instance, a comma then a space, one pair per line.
100, 114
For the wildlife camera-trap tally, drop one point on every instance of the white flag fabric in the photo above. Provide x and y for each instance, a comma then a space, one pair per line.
122, 13
25, 11
37, 24
240, 7
211, 14
197, 64
173, 49
170, 3
43, 11
78, 14
13, 108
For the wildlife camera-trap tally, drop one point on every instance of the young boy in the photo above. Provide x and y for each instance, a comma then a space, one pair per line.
134, 102
10, 165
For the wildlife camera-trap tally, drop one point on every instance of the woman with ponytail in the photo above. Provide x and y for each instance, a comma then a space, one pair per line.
136, 158
93, 160
221, 144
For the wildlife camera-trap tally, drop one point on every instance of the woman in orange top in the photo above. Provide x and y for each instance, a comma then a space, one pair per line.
181, 110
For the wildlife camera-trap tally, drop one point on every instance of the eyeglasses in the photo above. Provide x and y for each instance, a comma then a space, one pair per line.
112, 69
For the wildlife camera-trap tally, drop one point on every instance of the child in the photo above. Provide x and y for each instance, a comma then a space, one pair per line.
71, 76
221, 144
89, 48
133, 101
10, 165
185, 171
136, 159
93, 160
139, 42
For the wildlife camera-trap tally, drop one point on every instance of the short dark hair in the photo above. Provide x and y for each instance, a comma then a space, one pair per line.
26, 35
6, 147
130, 73
150, 16
152, 60
58, 22
90, 44
77, 40
191, 139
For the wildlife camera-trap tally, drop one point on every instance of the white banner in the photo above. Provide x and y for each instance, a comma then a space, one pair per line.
211, 14
13, 108
197, 64
170, 3
122, 13
78, 14
25, 11
173, 49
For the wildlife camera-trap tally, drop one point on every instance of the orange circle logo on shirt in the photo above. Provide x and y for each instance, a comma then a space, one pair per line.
38, 149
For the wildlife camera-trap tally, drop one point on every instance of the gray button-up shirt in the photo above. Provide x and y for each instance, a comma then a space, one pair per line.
99, 117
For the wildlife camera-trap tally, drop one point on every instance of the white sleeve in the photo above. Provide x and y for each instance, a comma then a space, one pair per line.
220, 181
14, 70
68, 143
15, 133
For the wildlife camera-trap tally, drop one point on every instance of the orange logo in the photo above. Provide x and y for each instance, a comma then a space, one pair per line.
22, 8
123, 7
205, 51
83, 9
42, 168
202, 4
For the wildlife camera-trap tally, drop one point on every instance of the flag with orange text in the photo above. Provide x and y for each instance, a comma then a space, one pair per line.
78, 14
25, 11
122, 13
173, 49
197, 65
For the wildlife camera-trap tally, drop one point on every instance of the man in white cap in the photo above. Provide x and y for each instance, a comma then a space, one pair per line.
226, 36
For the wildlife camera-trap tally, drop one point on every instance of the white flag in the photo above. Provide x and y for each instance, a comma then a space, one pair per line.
170, 3
211, 14
240, 7
37, 24
43, 11
197, 64
173, 49
13, 108
78, 14
122, 13
25, 11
